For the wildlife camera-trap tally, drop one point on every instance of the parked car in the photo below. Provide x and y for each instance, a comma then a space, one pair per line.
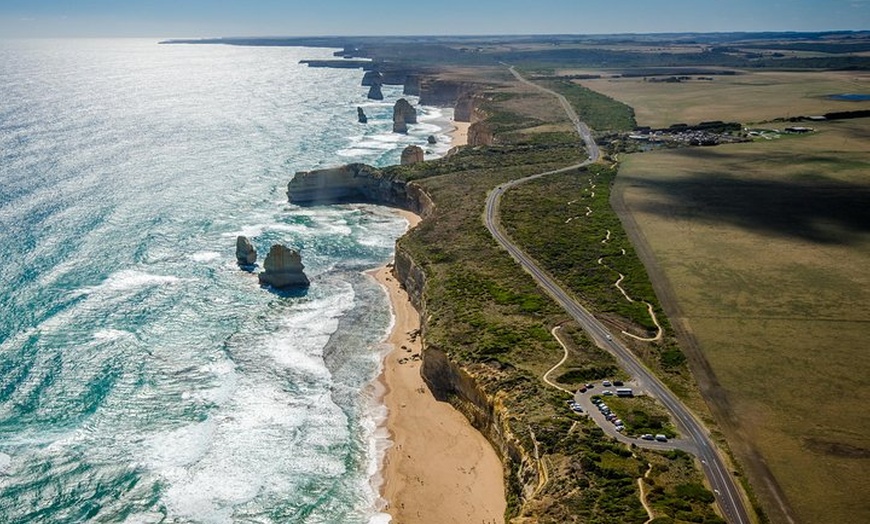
620, 428
617, 383
661, 438
606, 384
647, 436
607, 393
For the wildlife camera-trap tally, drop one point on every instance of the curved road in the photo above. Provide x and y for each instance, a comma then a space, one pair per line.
724, 486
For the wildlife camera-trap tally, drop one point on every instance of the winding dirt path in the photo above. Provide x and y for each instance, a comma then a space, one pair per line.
546, 376
643, 494
618, 284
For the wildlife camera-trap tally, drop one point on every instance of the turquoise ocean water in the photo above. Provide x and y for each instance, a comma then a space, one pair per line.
143, 376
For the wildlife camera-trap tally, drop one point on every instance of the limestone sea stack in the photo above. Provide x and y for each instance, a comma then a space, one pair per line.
246, 255
283, 269
372, 77
412, 155
431, 139
375, 92
403, 114
361, 116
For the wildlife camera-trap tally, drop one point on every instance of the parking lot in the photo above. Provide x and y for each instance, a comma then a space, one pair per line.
609, 421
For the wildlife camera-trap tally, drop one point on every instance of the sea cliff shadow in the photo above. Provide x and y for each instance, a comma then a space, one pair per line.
817, 209
293, 292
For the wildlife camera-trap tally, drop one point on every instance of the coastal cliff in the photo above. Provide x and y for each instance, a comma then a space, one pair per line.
447, 380
357, 183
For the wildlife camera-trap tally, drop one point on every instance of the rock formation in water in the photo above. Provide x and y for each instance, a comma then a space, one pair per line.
372, 77
403, 114
412, 85
431, 139
283, 269
375, 92
361, 116
246, 255
412, 155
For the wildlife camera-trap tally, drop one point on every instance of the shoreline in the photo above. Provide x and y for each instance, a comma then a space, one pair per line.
437, 468
459, 134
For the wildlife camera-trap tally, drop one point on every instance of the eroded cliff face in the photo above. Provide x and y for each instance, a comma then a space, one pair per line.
357, 183
462, 387
438, 92
450, 382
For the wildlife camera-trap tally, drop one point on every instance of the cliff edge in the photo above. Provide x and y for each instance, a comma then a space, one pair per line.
357, 183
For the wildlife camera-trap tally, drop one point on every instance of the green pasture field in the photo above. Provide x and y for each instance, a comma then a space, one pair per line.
751, 96
766, 249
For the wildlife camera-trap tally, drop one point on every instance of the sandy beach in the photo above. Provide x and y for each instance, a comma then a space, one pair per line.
439, 469
459, 136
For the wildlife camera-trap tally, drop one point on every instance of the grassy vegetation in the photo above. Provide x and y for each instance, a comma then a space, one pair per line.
762, 243
642, 415
492, 319
586, 362
600, 112
752, 96
562, 221
673, 493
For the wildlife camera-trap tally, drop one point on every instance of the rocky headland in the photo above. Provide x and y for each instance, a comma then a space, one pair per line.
357, 183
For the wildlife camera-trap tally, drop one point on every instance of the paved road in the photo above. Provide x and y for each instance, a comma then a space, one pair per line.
720, 479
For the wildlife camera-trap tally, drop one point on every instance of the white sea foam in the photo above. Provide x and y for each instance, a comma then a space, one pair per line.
5, 464
129, 279
205, 256
180, 447
108, 335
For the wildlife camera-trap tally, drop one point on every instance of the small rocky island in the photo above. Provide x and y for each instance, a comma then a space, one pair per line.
403, 114
246, 255
283, 269
375, 92
412, 155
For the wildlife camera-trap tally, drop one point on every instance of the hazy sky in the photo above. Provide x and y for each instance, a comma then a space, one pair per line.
192, 18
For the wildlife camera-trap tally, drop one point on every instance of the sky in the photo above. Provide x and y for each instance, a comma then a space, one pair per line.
210, 18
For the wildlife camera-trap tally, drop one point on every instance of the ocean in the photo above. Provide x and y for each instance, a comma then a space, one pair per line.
144, 377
